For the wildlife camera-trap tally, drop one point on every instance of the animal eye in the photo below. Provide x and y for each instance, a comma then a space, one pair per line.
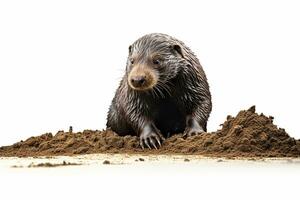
156, 61
131, 60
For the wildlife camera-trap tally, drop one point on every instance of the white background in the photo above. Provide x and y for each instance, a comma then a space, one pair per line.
61, 62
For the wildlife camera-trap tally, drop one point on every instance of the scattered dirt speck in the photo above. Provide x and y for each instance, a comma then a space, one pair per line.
106, 162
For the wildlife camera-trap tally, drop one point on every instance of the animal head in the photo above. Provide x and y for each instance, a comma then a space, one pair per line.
153, 60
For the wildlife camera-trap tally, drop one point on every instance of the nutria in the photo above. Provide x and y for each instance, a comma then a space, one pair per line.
164, 91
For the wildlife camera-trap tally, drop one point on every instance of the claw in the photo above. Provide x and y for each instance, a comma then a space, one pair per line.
147, 143
142, 144
160, 136
153, 143
158, 141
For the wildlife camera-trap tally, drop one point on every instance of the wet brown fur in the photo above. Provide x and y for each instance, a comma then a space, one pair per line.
174, 98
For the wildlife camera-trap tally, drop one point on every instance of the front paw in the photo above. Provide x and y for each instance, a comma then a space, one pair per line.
151, 140
191, 131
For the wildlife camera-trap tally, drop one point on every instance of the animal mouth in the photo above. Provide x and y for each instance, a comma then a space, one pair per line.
142, 82
140, 86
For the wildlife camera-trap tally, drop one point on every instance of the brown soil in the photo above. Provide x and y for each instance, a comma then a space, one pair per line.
246, 135
47, 164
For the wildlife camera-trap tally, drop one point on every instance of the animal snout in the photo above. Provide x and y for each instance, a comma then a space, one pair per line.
138, 81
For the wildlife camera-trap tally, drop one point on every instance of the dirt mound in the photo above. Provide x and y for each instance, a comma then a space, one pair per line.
246, 135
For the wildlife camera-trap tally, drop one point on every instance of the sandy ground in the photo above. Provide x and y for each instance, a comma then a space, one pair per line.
47, 173
148, 177
136, 176
97, 160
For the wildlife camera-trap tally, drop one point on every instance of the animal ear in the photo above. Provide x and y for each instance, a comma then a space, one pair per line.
178, 50
130, 49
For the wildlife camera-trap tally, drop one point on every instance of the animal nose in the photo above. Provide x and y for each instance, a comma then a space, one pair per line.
138, 81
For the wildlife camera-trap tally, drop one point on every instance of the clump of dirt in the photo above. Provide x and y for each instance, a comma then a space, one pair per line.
247, 135
106, 162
